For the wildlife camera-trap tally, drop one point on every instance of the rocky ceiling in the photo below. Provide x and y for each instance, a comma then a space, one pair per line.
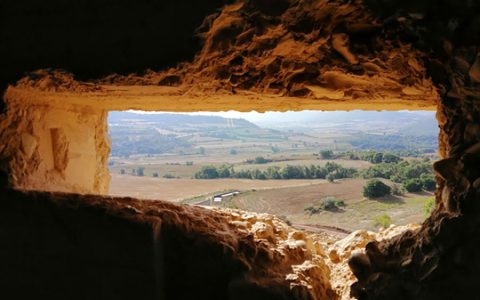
419, 51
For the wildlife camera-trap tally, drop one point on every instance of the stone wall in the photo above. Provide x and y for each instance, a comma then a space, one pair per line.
55, 146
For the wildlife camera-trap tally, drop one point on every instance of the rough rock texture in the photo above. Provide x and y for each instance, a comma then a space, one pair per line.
340, 252
320, 49
439, 260
56, 146
64, 246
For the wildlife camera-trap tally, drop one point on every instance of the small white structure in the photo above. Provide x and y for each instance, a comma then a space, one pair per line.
220, 197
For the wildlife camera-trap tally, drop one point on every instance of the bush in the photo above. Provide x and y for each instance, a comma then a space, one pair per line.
140, 171
428, 182
331, 204
155, 174
326, 154
261, 160
330, 177
168, 176
327, 203
233, 152
311, 210
375, 188
382, 221
413, 185
122, 171
398, 190
428, 206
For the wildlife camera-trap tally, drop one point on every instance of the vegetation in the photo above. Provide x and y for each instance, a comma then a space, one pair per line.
331, 203
140, 171
417, 144
330, 171
383, 221
328, 203
188, 147
375, 188
428, 207
415, 175
326, 154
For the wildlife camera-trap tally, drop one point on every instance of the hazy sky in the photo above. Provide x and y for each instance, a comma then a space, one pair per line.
254, 116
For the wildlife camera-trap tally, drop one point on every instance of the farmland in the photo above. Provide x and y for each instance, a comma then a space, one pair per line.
160, 157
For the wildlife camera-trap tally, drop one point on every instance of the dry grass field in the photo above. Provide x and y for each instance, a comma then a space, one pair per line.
358, 213
180, 189
286, 198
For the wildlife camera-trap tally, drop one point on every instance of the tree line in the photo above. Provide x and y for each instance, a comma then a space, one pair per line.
330, 171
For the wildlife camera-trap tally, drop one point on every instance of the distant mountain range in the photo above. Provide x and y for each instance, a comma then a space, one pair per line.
168, 119
404, 122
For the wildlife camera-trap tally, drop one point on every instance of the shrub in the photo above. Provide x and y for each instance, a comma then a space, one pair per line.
375, 188
413, 185
168, 176
398, 190
326, 154
428, 206
155, 174
261, 160
428, 182
140, 171
330, 177
122, 171
331, 203
382, 221
311, 210
233, 152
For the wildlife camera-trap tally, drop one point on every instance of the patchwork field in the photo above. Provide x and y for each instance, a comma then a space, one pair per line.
180, 189
156, 156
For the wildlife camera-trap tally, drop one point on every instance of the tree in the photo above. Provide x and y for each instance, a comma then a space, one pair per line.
122, 171
326, 154
202, 151
428, 182
261, 160
377, 158
292, 172
375, 188
224, 171
390, 158
207, 172
140, 171
413, 185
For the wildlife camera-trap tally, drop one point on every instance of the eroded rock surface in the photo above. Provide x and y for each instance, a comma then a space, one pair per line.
321, 49
91, 246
